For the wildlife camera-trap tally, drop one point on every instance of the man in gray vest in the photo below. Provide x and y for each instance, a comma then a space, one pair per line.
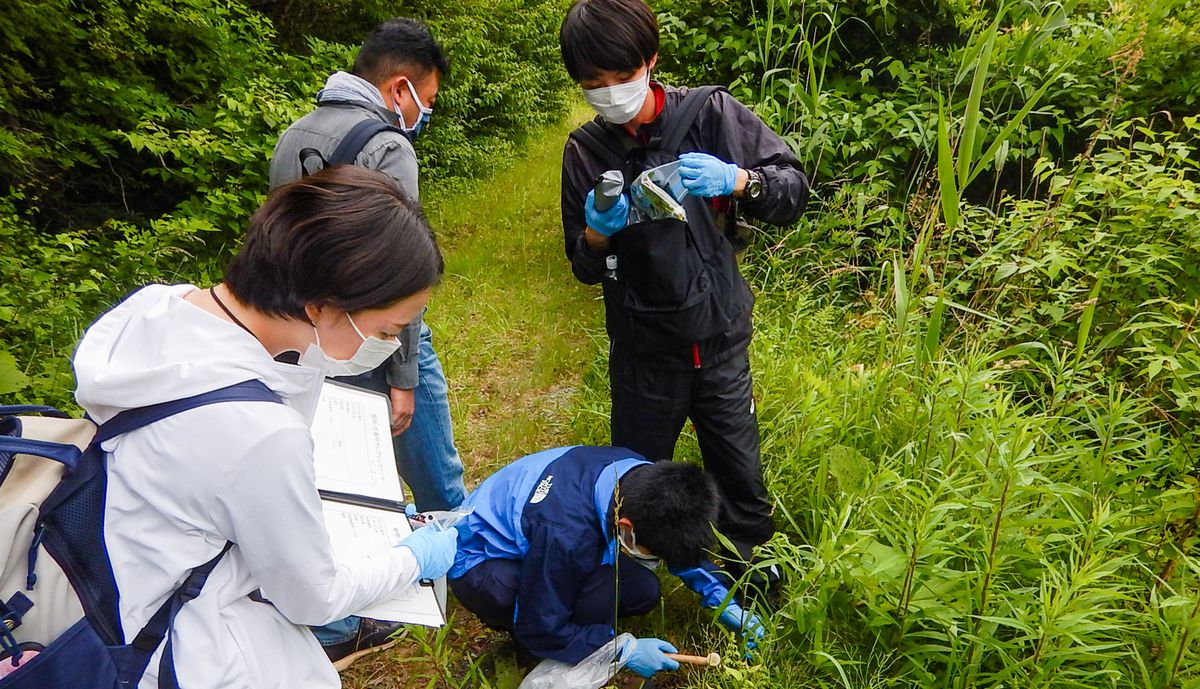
370, 116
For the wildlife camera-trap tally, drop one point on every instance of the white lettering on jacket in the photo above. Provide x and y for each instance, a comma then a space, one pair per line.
542, 490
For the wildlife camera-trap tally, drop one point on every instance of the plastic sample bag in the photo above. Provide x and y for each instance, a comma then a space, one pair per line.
657, 193
446, 519
592, 672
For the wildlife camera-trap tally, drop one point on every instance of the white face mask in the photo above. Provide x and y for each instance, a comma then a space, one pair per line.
371, 353
618, 104
649, 562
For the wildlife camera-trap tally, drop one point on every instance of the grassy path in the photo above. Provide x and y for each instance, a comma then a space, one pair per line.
510, 323
513, 330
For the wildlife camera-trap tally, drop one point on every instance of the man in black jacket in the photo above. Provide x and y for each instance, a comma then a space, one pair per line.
678, 310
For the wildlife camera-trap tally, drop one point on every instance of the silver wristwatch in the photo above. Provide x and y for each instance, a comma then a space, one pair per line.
754, 185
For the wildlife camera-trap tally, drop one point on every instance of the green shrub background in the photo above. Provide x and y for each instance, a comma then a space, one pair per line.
137, 135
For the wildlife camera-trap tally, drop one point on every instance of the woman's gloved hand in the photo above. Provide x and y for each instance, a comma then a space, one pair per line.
707, 176
610, 221
646, 656
434, 549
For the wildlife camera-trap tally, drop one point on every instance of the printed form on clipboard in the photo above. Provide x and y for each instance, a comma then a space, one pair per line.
361, 494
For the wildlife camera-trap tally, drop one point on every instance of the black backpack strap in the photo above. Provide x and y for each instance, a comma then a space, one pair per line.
602, 144
347, 151
133, 419
134, 658
191, 587
684, 117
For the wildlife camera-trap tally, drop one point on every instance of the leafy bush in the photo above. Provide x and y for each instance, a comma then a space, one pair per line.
833, 77
76, 76
137, 139
949, 530
53, 285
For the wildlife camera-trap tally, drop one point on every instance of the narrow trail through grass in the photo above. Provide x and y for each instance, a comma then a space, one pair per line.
513, 330
510, 323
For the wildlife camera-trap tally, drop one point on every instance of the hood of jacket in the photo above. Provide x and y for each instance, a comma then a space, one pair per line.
155, 347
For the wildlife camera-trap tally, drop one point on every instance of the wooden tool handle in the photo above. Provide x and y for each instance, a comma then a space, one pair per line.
711, 660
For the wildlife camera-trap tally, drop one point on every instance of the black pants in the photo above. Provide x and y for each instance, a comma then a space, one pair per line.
649, 407
489, 589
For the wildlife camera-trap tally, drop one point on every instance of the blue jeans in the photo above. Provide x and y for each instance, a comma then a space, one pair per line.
425, 453
337, 632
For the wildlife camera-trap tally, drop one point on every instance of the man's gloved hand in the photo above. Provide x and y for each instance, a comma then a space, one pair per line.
707, 176
434, 549
645, 656
610, 221
738, 620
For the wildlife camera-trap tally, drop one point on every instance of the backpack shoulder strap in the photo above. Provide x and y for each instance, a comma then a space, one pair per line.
133, 419
136, 656
356, 139
162, 623
684, 117
14, 409
594, 137
13, 441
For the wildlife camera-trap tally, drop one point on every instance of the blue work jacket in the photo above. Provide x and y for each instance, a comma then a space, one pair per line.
550, 510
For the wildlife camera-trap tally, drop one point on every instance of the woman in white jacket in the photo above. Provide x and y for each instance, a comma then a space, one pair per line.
333, 267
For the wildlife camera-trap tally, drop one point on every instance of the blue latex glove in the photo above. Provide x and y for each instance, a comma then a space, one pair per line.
645, 656
707, 176
610, 221
738, 620
434, 549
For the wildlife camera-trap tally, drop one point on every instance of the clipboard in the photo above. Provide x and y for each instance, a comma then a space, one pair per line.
361, 494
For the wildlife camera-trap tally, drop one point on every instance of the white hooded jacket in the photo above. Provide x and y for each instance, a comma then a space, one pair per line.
179, 489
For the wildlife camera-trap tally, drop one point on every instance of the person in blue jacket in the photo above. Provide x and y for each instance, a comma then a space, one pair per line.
563, 540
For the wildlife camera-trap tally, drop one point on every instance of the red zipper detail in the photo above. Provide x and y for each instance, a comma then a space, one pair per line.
696, 354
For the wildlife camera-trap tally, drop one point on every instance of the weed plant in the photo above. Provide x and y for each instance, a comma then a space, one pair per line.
975, 359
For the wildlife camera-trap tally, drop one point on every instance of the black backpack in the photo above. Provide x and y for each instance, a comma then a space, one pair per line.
59, 604
675, 283
351, 145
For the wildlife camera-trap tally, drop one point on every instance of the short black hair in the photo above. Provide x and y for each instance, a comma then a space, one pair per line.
399, 45
673, 507
346, 236
614, 35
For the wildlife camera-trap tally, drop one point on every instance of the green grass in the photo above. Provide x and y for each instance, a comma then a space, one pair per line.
952, 514
515, 333
512, 327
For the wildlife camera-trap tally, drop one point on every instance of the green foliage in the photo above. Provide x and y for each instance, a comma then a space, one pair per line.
1112, 247
976, 357
957, 531
52, 286
137, 138
506, 81
77, 75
